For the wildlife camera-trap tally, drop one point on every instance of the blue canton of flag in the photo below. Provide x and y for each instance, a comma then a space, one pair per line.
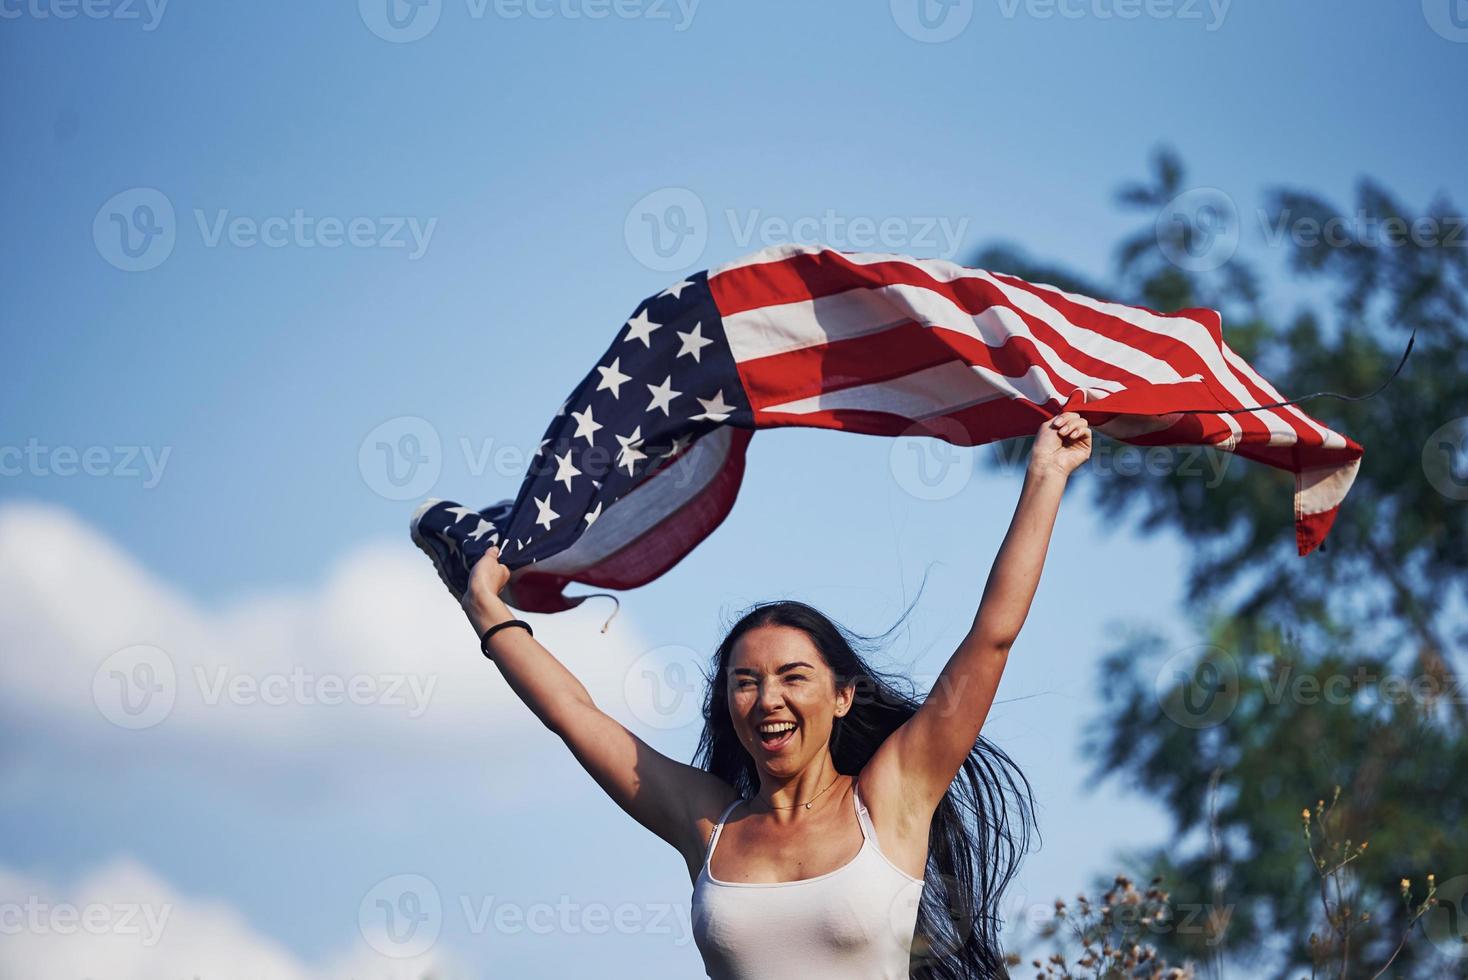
668, 380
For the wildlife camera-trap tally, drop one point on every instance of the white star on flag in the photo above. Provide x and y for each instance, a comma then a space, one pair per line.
586, 426
462, 512
593, 514
714, 409
629, 454
675, 290
565, 469
612, 377
693, 342
545, 515
641, 328
662, 395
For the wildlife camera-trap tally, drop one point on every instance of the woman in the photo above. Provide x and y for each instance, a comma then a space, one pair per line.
825, 804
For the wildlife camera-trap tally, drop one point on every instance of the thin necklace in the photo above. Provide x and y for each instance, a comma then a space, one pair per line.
806, 804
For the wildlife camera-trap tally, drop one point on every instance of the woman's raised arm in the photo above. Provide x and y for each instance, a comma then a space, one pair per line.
920, 759
673, 800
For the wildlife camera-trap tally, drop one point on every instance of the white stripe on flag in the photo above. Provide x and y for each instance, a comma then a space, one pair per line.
932, 391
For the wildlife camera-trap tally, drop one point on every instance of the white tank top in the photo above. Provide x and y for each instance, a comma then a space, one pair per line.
854, 923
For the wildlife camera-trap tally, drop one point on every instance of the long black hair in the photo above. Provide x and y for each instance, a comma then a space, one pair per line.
980, 831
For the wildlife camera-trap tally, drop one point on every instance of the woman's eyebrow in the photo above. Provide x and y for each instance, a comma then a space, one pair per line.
783, 667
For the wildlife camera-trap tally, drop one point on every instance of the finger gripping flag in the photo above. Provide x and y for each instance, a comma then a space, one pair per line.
646, 456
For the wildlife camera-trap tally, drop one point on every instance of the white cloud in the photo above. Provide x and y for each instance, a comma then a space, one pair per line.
122, 922
98, 650
75, 610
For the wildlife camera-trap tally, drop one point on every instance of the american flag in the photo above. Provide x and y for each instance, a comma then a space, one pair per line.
646, 456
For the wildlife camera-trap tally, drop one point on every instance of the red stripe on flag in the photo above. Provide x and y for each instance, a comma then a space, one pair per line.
886, 356
973, 425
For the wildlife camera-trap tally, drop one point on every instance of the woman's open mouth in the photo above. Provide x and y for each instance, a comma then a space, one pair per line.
774, 741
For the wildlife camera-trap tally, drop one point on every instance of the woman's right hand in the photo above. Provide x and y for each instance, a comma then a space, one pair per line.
486, 580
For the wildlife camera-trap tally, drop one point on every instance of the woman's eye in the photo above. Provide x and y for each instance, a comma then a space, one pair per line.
798, 677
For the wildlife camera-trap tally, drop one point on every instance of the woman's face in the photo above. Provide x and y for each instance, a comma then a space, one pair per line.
777, 679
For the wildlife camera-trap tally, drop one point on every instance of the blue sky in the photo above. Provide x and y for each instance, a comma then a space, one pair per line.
494, 172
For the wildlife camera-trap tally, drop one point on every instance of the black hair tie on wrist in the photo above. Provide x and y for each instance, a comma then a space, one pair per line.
484, 640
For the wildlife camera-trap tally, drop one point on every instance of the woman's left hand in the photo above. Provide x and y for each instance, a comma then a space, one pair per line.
1062, 444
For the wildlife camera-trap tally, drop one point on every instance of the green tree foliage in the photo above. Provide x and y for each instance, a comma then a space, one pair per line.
1338, 669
